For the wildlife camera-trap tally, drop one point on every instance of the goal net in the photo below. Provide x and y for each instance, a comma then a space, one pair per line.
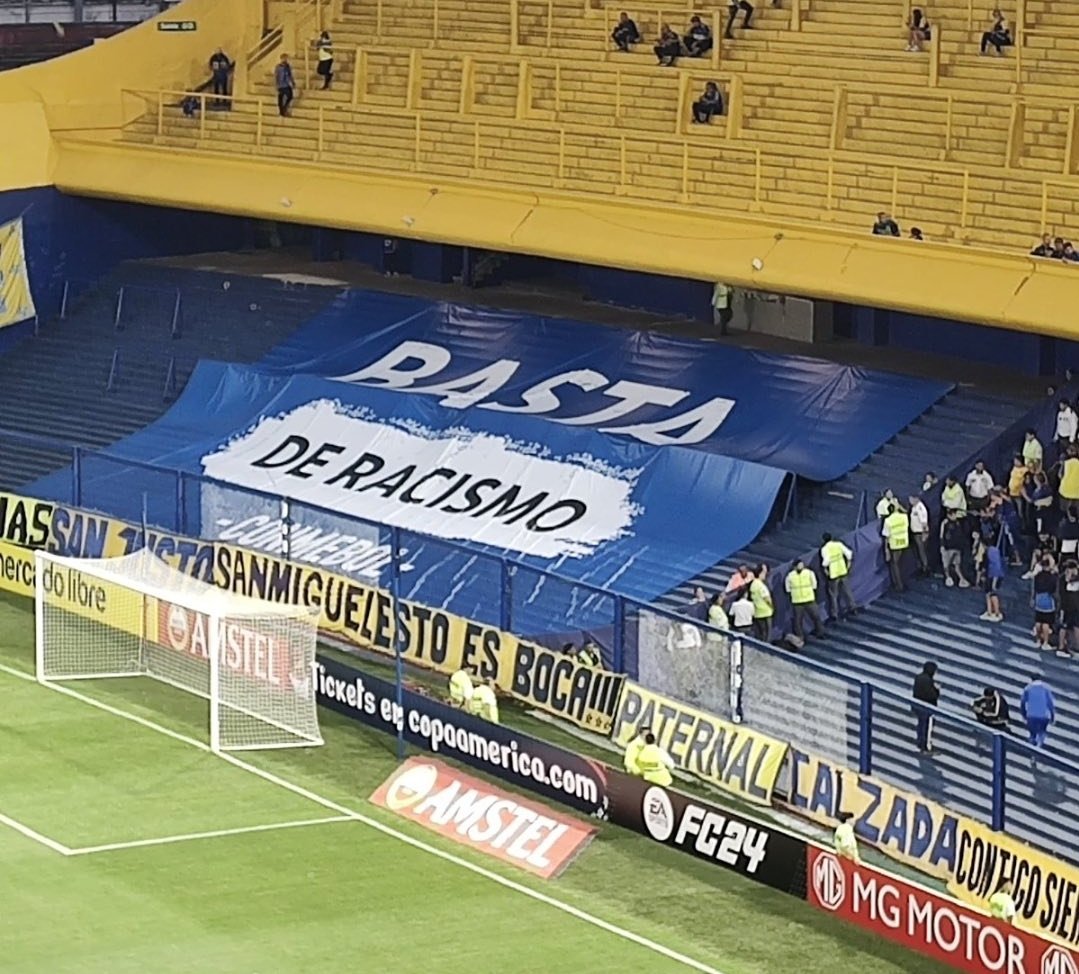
136, 616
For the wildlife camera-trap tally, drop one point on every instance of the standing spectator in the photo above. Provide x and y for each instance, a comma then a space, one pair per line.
710, 103
1039, 498
999, 35
763, 606
952, 497
1044, 589
1017, 477
801, 586
991, 709
668, 47
285, 85
324, 46
919, 31
742, 613
885, 225
896, 532
1068, 535
1069, 479
919, 530
1032, 449
1067, 425
1068, 640
926, 696
979, 483
1045, 248
738, 581
721, 293
836, 560
698, 39
220, 68
733, 6
625, 32
994, 578
954, 540
1038, 709
887, 499
929, 481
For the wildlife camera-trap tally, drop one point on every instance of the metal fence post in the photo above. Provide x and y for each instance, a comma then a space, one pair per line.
181, 502
76, 476
1000, 790
398, 640
505, 613
618, 645
865, 741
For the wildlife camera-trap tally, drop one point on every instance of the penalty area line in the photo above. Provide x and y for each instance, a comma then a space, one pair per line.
212, 834
30, 833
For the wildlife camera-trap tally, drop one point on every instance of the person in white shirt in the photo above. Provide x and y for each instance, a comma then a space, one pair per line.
979, 484
919, 530
742, 613
1067, 424
887, 499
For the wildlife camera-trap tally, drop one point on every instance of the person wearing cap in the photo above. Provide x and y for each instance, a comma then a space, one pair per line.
460, 688
836, 559
483, 703
1002, 903
653, 763
845, 841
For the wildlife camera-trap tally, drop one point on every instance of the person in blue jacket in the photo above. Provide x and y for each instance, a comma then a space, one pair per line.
1036, 706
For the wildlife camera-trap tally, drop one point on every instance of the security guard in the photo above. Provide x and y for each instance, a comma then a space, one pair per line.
836, 559
717, 617
801, 585
633, 751
460, 688
896, 533
1002, 903
589, 654
653, 763
763, 607
483, 703
846, 842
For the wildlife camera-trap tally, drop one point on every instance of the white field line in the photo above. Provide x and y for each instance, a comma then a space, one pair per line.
510, 884
44, 840
215, 834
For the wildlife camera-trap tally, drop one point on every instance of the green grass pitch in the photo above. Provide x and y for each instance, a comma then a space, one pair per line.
324, 895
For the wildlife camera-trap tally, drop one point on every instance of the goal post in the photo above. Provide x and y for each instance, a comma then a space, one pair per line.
135, 616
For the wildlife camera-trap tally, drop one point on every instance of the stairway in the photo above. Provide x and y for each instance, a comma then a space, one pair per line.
56, 384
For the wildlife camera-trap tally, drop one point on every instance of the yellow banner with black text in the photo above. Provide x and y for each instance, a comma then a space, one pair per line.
731, 756
363, 615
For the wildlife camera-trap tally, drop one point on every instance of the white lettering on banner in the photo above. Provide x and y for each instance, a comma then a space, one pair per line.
459, 484
243, 650
1057, 960
829, 883
411, 362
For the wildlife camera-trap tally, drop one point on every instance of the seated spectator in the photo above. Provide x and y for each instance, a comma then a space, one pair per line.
698, 39
1045, 248
952, 497
190, 106
1068, 253
979, 484
999, 35
918, 26
991, 709
885, 226
668, 47
733, 6
625, 32
710, 103
916, 233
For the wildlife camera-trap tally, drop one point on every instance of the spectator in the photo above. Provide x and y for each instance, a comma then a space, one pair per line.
952, 497
1045, 248
801, 586
929, 481
1038, 709
285, 85
887, 499
999, 35
710, 103
742, 613
190, 105
717, 618
220, 67
739, 581
896, 532
1069, 479
721, 293
954, 539
836, 559
994, 578
991, 709
1011, 524
1044, 588
885, 226
1032, 448
589, 654
1040, 499
698, 39
1068, 535
979, 484
733, 6
918, 27
1068, 640
625, 33
1069, 253
668, 47
926, 696
916, 233
763, 606
1017, 477
1066, 426
919, 529
324, 46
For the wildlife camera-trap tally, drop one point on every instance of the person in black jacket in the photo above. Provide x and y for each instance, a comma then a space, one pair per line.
625, 32
698, 39
991, 709
710, 103
668, 47
220, 67
926, 695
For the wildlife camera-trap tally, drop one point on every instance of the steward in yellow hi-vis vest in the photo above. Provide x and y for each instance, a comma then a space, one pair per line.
896, 531
653, 763
484, 703
633, 750
836, 559
1002, 904
846, 842
801, 585
460, 688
